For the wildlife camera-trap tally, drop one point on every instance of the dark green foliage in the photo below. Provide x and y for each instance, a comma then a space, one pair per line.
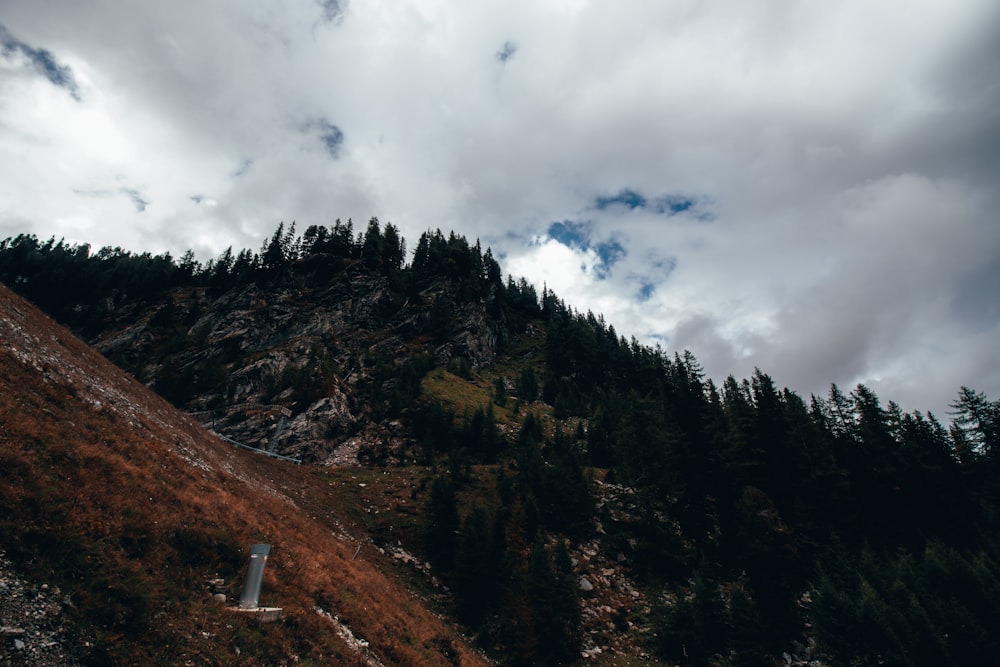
393, 387
744, 628
474, 274
440, 321
280, 251
564, 606
434, 428
693, 629
479, 567
555, 607
372, 249
562, 489
527, 385
519, 595
500, 391
976, 435
480, 436
767, 553
440, 534
76, 286
935, 609
310, 381
393, 249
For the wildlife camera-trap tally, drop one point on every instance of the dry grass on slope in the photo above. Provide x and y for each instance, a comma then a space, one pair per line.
128, 506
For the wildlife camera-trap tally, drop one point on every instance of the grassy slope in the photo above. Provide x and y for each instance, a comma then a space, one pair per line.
128, 505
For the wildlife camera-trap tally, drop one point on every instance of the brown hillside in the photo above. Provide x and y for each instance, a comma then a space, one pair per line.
128, 505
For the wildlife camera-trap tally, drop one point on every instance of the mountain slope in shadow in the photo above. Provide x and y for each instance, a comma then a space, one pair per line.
128, 506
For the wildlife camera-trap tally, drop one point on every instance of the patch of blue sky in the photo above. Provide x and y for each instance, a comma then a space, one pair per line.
43, 61
332, 10
672, 204
331, 136
666, 205
576, 235
570, 234
136, 197
627, 197
506, 51
657, 272
610, 253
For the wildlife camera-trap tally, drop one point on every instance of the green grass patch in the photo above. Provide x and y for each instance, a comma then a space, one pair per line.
459, 394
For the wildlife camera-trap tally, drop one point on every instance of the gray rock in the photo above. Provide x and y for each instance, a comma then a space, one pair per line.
295, 356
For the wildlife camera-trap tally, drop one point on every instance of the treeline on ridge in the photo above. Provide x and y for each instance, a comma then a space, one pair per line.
75, 284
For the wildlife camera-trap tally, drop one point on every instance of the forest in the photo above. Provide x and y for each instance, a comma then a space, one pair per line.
761, 519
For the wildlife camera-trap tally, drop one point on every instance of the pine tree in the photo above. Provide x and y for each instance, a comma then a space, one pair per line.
393, 249
373, 245
478, 567
442, 524
978, 419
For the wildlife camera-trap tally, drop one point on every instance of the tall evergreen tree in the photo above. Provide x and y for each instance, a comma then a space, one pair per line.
442, 524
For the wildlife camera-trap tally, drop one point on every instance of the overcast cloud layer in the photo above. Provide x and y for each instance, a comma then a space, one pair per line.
810, 188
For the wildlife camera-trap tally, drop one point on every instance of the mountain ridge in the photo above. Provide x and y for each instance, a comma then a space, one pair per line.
564, 493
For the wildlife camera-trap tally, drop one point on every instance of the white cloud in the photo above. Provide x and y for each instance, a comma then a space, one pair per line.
847, 153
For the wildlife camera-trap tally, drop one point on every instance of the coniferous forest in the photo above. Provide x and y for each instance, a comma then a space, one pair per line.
761, 522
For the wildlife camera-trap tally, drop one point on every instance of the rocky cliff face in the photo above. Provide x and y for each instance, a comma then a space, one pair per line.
293, 366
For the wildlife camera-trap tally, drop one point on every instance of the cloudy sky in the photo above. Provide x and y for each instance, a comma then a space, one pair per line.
806, 187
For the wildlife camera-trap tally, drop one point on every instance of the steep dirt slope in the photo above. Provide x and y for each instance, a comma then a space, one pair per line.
127, 506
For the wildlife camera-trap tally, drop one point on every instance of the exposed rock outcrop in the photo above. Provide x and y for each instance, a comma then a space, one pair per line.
293, 368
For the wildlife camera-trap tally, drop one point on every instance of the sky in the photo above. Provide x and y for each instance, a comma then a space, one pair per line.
808, 188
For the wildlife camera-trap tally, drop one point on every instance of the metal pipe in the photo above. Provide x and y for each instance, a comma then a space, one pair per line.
255, 576
258, 450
